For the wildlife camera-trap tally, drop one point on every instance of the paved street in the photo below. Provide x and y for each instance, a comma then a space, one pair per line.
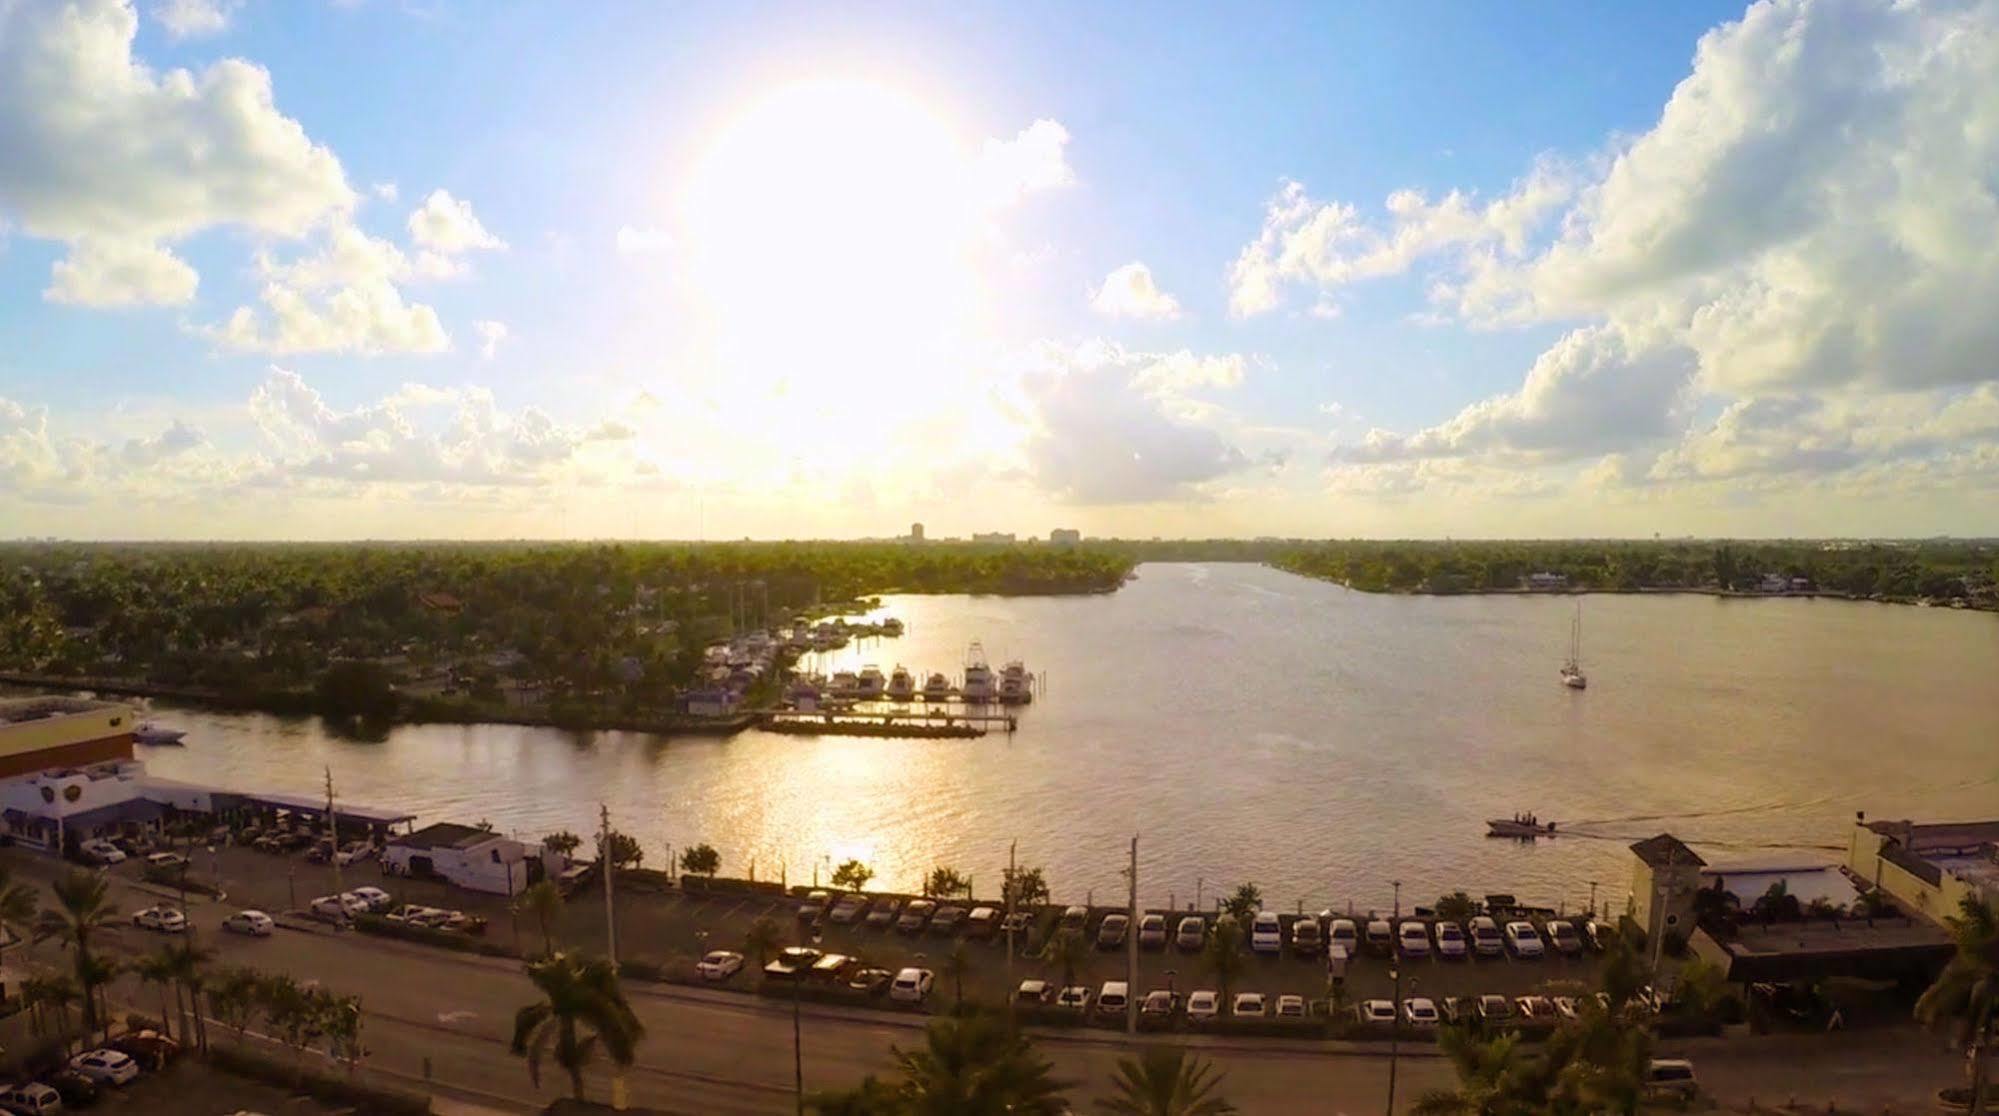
719, 1052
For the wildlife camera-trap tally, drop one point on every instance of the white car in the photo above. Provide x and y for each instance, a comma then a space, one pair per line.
1290, 1007
1375, 1011
31, 1098
1266, 934
1451, 942
165, 861
102, 852
1073, 998
1420, 1011
166, 920
1344, 933
719, 964
1563, 936
1485, 939
1205, 1004
355, 851
1522, 939
1414, 939
1248, 1005
345, 905
912, 986
1112, 997
105, 1066
376, 899
256, 924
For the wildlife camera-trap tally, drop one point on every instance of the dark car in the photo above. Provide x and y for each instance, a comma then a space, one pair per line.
871, 981
151, 1049
76, 1090
1111, 931
946, 921
883, 912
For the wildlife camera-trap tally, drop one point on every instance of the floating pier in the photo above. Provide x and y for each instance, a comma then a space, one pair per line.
846, 722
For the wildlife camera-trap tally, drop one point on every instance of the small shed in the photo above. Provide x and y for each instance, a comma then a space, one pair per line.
465, 856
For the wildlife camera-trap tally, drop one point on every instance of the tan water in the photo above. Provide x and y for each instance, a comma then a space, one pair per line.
1252, 725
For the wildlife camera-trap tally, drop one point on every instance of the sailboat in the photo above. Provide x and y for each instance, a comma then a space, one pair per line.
1572, 671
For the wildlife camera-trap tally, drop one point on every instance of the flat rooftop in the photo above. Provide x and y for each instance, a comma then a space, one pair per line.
14, 711
1836, 938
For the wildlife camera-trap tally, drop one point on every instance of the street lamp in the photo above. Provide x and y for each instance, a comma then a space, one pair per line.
1394, 1034
1398, 898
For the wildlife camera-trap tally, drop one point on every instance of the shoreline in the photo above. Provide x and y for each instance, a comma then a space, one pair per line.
1650, 591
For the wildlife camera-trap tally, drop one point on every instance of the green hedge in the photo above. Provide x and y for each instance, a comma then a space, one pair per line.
321, 1086
429, 935
171, 877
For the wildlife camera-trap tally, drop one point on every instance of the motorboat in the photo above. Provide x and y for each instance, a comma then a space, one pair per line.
845, 684
872, 683
1521, 826
980, 686
1572, 671
803, 693
156, 736
1016, 686
892, 626
901, 684
937, 688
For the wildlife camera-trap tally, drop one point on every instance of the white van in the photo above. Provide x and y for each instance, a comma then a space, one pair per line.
1112, 997
1266, 934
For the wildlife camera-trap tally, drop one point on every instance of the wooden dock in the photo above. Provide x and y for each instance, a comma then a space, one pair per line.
846, 722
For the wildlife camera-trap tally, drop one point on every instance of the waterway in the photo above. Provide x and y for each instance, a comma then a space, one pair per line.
1251, 725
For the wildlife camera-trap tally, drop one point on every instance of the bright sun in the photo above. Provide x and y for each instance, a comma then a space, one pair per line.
831, 226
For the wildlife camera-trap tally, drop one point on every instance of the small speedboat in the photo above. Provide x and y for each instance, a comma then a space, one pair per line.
157, 737
1522, 826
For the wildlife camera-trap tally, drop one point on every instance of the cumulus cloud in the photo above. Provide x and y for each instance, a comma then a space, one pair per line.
446, 225
156, 157
39, 464
193, 19
109, 273
1035, 159
491, 336
1129, 292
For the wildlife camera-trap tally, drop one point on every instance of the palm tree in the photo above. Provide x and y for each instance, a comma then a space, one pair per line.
50, 997
1166, 1081
83, 910
581, 994
973, 1066
1965, 996
18, 903
1221, 954
158, 968
544, 902
188, 962
763, 938
1494, 1078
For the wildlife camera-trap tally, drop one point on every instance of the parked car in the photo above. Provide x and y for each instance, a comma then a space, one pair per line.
947, 920
1017, 922
1111, 931
1485, 937
1495, 1009
1562, 935
1034, 992
1451, 944
1248, 1005
1152, 931
1113, 997
165, 920
1535, 1009
1160, 1003
31, 1098
1305, 940
165, 861
915, 915
353, 853
1378, 1012
376, 899
76, 1089
341, 906
982, 923
321, 851
1266, 933
1290, 1007
719, 964
1671, 1077
1380, 937
791, 963
1413, 939
1203, 1005
1457, 1009
1565, 1007
151, 1049
1074, 918
814, 906
847, 908
256, 924
1193, 930
833, 968
871, 981
1344, 933
574, 878
1522, 939
912, 986
882, 912
1073, 998
100, 852
1596, 935
418, 915
1420, 1011
105, 1066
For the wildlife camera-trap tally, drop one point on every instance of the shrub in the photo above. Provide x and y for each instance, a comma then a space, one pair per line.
321, 1086
429, 935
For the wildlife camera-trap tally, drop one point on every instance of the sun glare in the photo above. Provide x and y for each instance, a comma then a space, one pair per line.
830, 226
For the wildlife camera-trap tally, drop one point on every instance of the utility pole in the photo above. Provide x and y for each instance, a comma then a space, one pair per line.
1394, 1036
610, 872
1131, 948
1007, 891
333, 835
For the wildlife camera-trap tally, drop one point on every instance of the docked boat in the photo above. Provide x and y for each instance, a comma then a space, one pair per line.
901, 684
872, 683
1521, 826
156, 736
892, 626
1572, 671
980, 686
845, 684
1016, 686
937, 688
804, 693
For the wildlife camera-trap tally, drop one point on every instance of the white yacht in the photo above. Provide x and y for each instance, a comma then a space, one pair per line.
980, 686
845, 684
1016, 686
937, 688
1572, 671
154, 735
872, 682
901, 684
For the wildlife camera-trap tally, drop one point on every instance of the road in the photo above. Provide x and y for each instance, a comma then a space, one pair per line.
726, 1053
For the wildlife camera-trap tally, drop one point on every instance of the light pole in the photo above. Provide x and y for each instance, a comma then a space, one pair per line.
1592, 898
1398, 898
1394, 1035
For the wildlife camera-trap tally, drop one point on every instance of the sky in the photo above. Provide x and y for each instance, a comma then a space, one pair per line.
445, 268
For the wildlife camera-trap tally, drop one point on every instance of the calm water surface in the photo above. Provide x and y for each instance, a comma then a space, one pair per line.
1252, 725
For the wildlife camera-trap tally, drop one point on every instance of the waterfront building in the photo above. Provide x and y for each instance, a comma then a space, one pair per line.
1663, 885
67, 772
469, 857
1928, 868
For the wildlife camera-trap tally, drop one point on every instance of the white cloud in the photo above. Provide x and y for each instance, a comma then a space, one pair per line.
157, 156
642, 241
1129, 292
109, 273
385, 191
491, 336
445, 225
193, 19
1033, 160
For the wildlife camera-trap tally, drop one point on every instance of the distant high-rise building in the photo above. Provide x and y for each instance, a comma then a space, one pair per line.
1065, 536
916, 532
